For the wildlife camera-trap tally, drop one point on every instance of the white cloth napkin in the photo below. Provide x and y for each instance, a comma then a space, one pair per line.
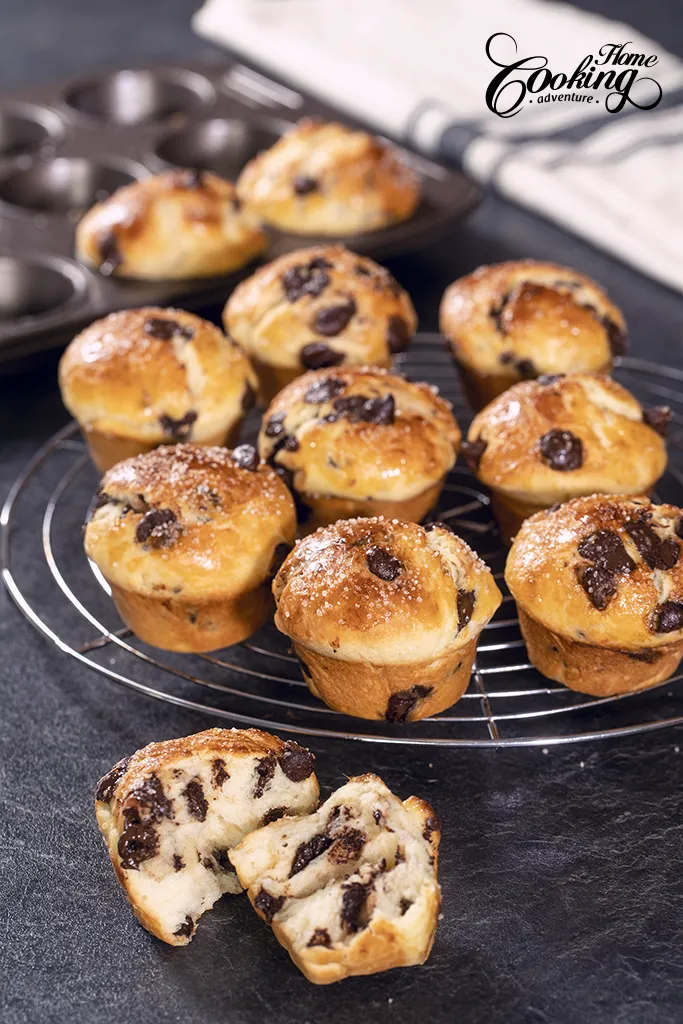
418, 71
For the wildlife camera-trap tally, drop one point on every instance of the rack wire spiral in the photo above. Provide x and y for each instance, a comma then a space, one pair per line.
258, 683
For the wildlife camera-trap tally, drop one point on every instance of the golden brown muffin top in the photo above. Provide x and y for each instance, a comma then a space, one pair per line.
319, 307
324, 178
602, 570
360, 433
159, 375
383, 591
184, 520
524, 318
561, 436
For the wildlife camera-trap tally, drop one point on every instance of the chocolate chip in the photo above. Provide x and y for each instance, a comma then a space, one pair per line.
165, 329
268, 905
599, 584
669, 617
432, 825
179, 430
656, 552
506, 358
317, 355
496, 313
246, 457
296, 762
402, 702
138, 842
320, 937
324, 390
526, 368
158, 528
109, 782
275, 425
303, 184
381, 411
398, 334
382, 564
658, 417
248, 398
377, 815
549, 378
265, 769
110, 253
561, 450
310, 279
466, 600
348, 845
291, 444
186, 928
178, 862
275, 814
605, 548
405, 905
309, 851
618, 338
353, 902
196, 801
399, 856
472, 452
332, 320
223, 861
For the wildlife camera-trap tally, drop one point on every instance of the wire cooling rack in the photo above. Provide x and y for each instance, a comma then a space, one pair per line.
258, 682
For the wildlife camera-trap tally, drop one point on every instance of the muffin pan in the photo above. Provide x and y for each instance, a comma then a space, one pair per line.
66, 147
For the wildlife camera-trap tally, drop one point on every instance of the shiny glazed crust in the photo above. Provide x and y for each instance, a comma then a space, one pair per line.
325, 179
180, 224
524, 318
283, 308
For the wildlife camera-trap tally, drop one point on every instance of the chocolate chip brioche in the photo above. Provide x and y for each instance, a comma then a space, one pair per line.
189, 539
170, 814
181, 224
599, 589
325, 179
517, 320
144, 377
352, 888
360, 442
316, 308
385, 615
561, 436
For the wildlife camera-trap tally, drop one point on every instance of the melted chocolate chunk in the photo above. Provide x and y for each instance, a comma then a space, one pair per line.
306, 279
399, 856
382, 564
275, 814
659, 418
656, 552
309, 851
223, 861
332, 320
353, 902
275, 425
405, 905
317, 356
268, 905
178, 862
472, 452
138, 842
248, 398
291, 444
402, 702
186, 928
320, 937
109, 782
158, 528
549, 378
246, 457
303, 184
165, 329
110, 253
496, 313
398, 334
196, 801
296, 762
561, 450
324, 390
669, 617
150, 798
179, 430
618, 339
466, 600
265, 769
605, 548
381, 411
599, 584
348, 845
432, 825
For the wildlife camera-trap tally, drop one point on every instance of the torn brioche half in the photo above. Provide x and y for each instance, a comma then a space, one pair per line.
170, 813
352, 888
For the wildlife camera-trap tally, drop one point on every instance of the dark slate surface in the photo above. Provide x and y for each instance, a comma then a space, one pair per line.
560, 871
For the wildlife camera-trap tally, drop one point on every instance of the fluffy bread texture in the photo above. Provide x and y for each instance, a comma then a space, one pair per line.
520, 319
598, 584
359, 442
385, 615
150, 376
188, 538
322, 178
352, 888
170, 814
180, 224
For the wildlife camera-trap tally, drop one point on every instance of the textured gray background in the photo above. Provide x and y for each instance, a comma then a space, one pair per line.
561, 871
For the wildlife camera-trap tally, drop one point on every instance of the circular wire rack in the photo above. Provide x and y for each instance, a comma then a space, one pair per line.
258, 682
